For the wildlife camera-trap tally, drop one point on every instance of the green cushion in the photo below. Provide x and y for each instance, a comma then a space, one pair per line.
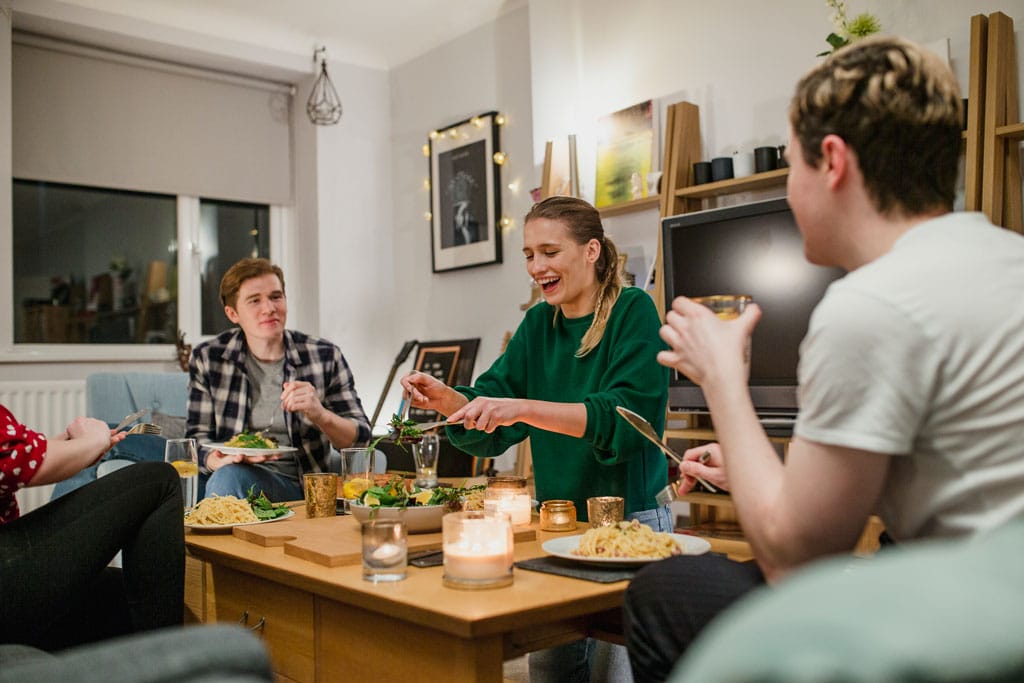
927, 612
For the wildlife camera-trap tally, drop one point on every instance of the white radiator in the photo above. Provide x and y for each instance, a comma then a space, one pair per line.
47, 407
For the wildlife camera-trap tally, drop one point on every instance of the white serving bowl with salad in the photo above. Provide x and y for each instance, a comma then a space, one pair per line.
421, 509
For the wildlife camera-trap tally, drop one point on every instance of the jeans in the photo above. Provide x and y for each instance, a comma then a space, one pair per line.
235, 480
589, 659
57, 588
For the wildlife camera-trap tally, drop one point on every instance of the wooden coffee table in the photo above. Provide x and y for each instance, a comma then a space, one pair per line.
324, 623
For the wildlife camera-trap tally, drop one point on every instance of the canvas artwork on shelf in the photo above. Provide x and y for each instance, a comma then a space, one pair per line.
625, 155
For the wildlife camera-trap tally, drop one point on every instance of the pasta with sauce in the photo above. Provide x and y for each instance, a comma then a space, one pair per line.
627, 540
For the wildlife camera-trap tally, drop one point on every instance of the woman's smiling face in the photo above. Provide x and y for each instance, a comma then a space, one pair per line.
563, 269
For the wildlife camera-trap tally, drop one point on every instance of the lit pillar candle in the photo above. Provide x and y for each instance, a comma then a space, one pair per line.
478, 549
517, 504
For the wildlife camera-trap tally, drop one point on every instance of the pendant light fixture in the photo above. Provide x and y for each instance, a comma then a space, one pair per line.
323, 105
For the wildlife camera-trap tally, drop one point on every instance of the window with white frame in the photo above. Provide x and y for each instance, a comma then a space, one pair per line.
100, 266
135, 184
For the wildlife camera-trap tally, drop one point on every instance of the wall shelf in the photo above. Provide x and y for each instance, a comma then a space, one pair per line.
630, 206
757, 181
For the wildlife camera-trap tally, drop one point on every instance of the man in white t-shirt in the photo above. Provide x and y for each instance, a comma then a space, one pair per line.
912, 370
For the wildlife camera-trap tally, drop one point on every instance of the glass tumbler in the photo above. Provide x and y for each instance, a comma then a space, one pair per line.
183, 455
385, 550
425, 454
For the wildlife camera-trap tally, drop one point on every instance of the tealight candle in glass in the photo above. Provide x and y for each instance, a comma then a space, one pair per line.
509, 494
478, 549
557, 515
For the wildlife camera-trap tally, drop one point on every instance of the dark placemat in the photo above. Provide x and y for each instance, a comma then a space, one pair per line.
576, 570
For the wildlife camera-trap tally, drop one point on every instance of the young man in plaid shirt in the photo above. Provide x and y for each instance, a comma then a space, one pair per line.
296, 389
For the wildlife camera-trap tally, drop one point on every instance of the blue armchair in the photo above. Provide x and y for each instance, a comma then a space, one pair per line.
109, 396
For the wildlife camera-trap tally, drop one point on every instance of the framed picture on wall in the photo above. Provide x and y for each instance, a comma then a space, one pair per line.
465, 200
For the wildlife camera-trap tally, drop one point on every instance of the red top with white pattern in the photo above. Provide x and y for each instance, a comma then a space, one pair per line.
21, 453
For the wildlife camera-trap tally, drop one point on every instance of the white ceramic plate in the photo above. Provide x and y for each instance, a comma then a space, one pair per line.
563, 547
419, 519
229, 527
248, 452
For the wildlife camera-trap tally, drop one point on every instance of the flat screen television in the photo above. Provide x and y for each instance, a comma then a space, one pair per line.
753, 249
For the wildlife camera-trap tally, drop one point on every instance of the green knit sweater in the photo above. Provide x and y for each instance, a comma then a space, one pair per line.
611, 459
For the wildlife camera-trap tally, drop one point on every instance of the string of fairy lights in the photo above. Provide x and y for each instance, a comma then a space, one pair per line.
498, 157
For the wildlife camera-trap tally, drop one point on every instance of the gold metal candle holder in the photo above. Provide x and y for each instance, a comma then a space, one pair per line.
605, 510
321, 490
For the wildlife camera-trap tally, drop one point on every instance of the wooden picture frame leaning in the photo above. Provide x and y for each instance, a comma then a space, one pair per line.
465, 196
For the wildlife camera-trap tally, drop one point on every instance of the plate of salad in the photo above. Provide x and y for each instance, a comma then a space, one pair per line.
249, 444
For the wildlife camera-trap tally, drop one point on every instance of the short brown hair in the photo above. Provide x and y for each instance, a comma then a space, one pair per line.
898, 107
584, 224
243, 270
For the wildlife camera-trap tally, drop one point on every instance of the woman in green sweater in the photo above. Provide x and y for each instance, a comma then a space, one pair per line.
591, 346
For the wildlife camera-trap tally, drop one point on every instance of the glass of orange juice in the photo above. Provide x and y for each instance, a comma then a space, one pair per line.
183, 456
357, 472
725, 306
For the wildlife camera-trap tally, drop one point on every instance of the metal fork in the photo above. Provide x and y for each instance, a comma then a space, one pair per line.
145, 428
669, 493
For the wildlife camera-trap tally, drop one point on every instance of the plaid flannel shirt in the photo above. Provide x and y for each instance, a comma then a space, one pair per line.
220, 394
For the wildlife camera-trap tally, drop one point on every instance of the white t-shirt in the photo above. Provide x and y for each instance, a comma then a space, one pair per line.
920, 354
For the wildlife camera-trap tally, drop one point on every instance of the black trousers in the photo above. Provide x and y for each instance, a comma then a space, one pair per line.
56, 589
669, 603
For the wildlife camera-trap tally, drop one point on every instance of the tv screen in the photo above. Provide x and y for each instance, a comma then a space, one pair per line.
753, 249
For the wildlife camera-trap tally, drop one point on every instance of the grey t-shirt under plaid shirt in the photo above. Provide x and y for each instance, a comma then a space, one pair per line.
220, 394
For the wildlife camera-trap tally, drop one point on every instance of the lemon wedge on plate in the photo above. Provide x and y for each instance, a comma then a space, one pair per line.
371, 500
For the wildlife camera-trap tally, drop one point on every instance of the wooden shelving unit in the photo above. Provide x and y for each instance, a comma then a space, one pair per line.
632, 205
750, 183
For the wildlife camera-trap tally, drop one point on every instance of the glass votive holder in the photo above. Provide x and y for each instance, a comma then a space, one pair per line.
478, 549
510, 495
557, 515
321, 492
385, 550
605, 510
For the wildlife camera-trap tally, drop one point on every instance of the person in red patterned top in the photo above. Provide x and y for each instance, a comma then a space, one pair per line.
28, 458
57, 586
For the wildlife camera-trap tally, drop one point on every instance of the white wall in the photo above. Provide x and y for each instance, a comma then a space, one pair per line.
355, 240
486, 69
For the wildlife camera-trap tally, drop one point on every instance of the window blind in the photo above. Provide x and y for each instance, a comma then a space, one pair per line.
86, 117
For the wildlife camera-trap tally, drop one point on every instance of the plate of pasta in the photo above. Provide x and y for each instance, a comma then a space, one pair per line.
223, 513
624, 544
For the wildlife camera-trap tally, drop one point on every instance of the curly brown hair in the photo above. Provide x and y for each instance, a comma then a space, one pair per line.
898, 107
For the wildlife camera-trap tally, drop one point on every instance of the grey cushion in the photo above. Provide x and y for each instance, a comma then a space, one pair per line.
195, 653
930, 612
171, 426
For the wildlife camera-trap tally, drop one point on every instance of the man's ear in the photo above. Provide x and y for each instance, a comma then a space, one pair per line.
835, 159
231, 313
